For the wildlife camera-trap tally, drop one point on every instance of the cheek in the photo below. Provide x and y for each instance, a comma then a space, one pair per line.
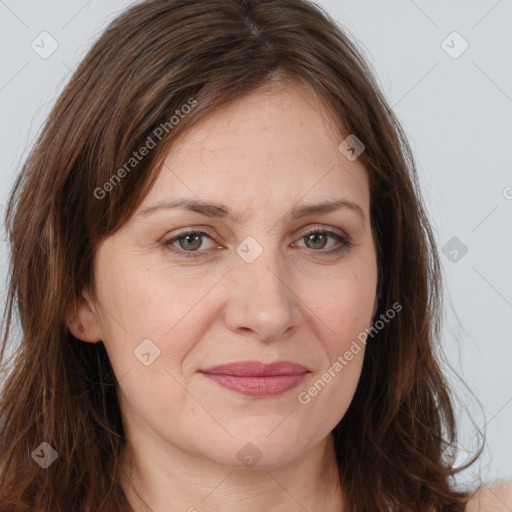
344, 306
343, 312
140, 303
146, 300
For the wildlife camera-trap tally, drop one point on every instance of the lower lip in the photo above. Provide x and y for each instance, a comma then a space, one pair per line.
270, 385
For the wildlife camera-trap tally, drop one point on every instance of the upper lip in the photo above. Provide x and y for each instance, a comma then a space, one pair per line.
257, 369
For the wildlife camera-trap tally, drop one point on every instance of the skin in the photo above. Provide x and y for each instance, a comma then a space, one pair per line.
261, 155
496, 497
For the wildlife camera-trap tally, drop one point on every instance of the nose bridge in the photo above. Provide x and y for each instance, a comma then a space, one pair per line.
263, 298
262, 266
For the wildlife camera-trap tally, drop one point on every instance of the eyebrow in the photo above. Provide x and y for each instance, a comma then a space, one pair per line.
213, 210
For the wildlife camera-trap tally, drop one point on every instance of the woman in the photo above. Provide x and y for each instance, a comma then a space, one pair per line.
228, 287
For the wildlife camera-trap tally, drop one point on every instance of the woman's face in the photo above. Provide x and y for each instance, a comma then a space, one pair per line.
260, 289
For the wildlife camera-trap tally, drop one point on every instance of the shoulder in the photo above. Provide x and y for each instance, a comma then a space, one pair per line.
494, 497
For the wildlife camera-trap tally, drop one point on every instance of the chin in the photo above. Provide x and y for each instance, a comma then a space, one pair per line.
261, 449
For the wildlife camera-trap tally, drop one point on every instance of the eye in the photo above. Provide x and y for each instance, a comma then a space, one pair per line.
190, 241
318, 237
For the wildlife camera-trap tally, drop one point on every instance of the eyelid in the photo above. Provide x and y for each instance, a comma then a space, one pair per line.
323, 228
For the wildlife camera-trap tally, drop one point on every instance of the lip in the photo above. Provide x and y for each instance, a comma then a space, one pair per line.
254, 378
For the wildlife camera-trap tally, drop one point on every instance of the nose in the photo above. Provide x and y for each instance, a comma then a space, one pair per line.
263, 299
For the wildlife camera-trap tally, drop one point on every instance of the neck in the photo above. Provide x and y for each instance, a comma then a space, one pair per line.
170, 477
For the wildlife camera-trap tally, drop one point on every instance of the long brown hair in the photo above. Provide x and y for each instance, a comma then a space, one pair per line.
71, 194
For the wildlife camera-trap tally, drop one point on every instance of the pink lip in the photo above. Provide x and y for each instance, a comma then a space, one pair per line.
254, 378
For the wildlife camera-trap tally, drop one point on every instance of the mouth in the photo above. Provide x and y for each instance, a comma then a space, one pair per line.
254, 378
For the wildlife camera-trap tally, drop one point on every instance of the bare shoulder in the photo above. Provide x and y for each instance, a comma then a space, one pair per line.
494, 497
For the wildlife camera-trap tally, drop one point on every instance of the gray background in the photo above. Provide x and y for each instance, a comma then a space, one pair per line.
457, 113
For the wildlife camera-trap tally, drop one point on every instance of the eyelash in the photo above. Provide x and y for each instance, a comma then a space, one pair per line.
344, 242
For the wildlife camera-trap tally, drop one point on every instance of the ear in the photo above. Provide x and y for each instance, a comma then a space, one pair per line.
82, 319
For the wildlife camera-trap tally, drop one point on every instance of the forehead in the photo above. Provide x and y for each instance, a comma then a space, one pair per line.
275, 146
